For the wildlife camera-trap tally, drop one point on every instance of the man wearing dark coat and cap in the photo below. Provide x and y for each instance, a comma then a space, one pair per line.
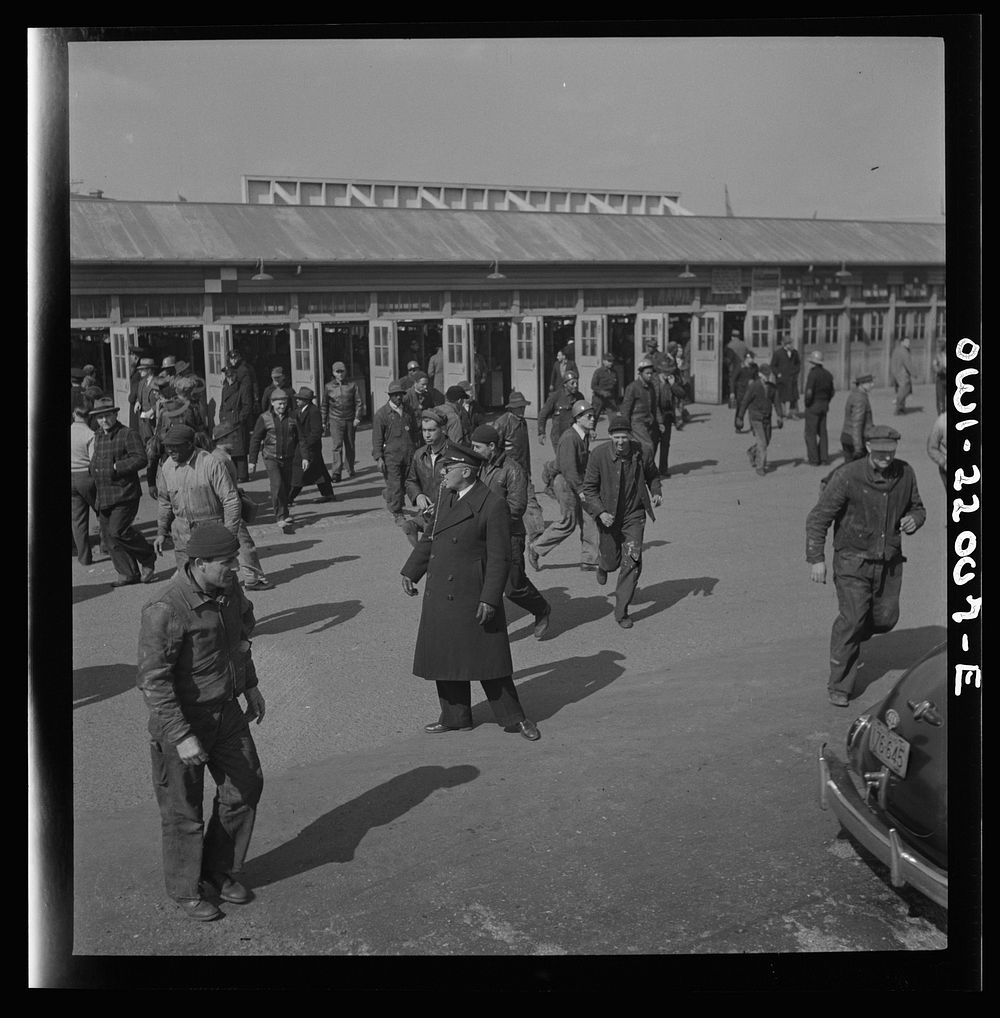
311, 443
463, 628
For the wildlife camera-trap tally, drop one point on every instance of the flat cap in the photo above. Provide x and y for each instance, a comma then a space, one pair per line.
395, 386
280, 394
224, 428
430, 414
211, 540
882, 437
455, 392
179, 434
861, 379
618, 423
486, 434
643, 364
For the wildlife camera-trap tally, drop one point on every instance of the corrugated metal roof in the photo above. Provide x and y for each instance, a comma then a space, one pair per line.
192, 232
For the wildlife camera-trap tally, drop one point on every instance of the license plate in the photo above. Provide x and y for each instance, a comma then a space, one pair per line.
891, 749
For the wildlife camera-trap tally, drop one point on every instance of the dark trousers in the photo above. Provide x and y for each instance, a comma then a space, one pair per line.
519, 588
648, 434
902, 391
279, 473
868, 595
941, 394
342, 433
762, 439
667, 427
456, 702
602, 404
84, 499
316, 473
126, 546
534, 521
850, 451
396, 467
190, 851
620, 548
817, 445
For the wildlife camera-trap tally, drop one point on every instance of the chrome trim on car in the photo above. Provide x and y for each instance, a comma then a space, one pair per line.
838, 793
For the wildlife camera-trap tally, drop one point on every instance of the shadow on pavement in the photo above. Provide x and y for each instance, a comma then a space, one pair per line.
568, 611
893, 651
794, 462
263, 550
304, 568
666, 594
335, 836
101, 682
295, 618
687, 468
545, 689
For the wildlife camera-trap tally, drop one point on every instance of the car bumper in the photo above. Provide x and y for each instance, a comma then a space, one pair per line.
838, 793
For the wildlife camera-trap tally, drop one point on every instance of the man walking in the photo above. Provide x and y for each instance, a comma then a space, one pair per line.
559, 406
310, 420
901, 369
871, 503
278, 381
736, 352
146, 398
620, 476
458, 425
513, 431
423, 482
571, 463
857, 419
640, 407
741, 380
760, 397
501, 474
670, 394
276, 436
343, 408
393, 447
604, 388
819, 392
236, 407
194, 662
119, 455
193, 488
786, 364
463, 629
247, 382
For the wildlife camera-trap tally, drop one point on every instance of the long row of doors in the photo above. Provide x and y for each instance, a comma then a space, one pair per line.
590, 342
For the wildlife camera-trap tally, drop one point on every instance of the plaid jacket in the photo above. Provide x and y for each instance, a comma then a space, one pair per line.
118, 457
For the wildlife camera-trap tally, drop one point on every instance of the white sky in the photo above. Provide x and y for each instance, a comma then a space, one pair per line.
794, 126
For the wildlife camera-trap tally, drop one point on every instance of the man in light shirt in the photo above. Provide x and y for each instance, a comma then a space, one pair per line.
84, 490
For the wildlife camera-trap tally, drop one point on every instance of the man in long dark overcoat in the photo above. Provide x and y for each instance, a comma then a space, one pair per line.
463, 629
786, 365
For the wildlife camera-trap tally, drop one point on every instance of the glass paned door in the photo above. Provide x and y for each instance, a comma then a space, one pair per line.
456, 342
524, 339
383, 358
706, 356
590, 340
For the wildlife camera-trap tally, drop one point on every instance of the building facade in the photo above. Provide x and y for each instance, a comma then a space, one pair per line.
498, 292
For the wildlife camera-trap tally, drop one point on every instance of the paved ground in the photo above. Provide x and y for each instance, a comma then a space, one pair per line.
669, 808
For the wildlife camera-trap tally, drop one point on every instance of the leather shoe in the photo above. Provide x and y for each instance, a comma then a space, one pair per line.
625, 622
125, 581
230, 890
542, 623
436, 728
838, 699
147, 574
198, 908
533, 558
602, 576
587, 568
261, 584
526, 728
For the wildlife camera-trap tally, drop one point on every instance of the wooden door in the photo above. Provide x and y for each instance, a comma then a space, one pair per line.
591, 337
524, 339
706, 356
383, 358
456, 344
122, 337
218, 341
304, 338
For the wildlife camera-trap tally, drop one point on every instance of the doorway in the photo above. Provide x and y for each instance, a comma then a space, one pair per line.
416, 341
731, 320
264, 347
491, 345
557, 333
348, 342
621, 343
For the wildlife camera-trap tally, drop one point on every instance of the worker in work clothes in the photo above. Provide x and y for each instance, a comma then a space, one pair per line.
393, 428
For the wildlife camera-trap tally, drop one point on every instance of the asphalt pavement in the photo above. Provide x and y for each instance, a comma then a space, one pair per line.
670, 807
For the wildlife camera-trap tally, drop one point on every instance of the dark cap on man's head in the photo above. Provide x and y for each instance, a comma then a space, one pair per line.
305, 394
861, 379
486, 434
211, 540
179, 434
102, 406
430, 414
277, 372
517, 399
455, 393
461, 454
224, 428
396, 386
76, 372
882, 437
618, 423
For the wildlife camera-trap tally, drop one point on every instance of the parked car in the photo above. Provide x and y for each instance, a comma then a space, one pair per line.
891, 793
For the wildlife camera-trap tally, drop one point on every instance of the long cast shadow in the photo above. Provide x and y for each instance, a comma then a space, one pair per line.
891, 651
568, 611
666, 594
335, 836
101, 682
263, 550
679, 469
304, 568
306, 615
545, 689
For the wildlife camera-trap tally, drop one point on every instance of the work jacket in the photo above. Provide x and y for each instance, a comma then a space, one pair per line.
571, 461
342, 401
819, 389
513, 432
639, 404
422, 478
667, 397
857, 418
118, 457
194, 652
865, 508
759, 399
276, 437
392, 432
265, 399
604, 383
900, 365
311, 429
559, 406
604, 476
196, 491
458, 424
503, 476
